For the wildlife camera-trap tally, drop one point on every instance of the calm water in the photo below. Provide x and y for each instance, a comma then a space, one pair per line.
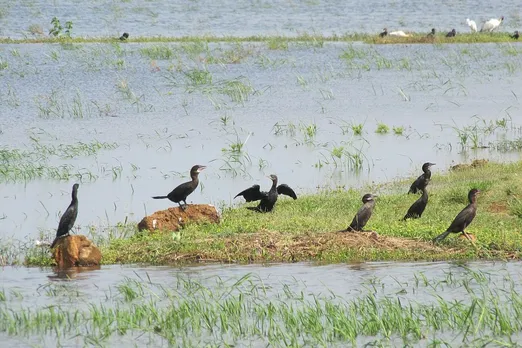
200, 17
342, 282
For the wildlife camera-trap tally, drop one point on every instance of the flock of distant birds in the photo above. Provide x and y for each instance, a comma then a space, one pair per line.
488, 26
267, 201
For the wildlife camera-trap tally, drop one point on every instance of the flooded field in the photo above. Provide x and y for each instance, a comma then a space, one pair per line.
381, 304
128, 121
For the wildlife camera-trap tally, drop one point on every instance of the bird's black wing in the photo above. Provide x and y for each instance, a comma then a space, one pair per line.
361, 218
463, 219
419, 183
284, 189
67, 220
416, 209
252, 194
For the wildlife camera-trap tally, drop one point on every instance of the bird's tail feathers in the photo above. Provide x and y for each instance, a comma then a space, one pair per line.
159, 197
441, 237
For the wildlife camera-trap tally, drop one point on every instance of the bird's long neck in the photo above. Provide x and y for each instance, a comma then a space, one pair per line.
195, 179
74, 197
274, 186
424, 196
427, 173
473, 200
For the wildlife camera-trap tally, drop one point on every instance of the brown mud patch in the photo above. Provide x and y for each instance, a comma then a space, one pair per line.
278, 247
475, 164
498, 208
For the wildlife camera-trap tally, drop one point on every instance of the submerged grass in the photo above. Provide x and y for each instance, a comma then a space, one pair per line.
37, 161
302, 229
234, 312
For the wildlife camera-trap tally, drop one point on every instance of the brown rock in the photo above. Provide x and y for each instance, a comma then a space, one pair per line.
175, 218
76, 250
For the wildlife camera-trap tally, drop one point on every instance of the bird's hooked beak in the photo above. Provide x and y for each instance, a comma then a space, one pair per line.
200, 169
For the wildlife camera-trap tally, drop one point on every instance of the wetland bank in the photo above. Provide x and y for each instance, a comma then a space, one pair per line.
335, 113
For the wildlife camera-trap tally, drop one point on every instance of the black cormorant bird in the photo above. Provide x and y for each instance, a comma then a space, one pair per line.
463, 219
452, 33
384, 33
268, 199
515, 35
431, 33
418, 207
423, 180
124, 37
68, 218
181, 192
363, 215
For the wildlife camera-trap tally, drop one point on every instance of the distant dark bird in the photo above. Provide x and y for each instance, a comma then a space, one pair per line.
417, 208
423, 180
515, 35
431, 33
384, 33
363, 215
68, 218
463, 219
124, 37
181, 192
452, 33
268, 199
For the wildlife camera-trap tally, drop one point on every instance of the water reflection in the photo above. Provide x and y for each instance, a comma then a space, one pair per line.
72, 273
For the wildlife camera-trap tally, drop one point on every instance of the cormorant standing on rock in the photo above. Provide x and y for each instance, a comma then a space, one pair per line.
363, 215
423, 180
515, 35
268, 199
463, 219
124, 37
452, 33
384, 33
181, 192
418, 207
68, 218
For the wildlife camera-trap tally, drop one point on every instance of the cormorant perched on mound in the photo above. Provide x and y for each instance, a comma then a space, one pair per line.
423, 180
268, 199
68, 218
452, 33
181, 192
384, 33
431, 33
463, 219
418, 207
363, 215
515, 35
124, 37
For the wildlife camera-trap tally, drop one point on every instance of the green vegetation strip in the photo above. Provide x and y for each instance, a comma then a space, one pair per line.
18, 165
280, 42
303, 229
224, 313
